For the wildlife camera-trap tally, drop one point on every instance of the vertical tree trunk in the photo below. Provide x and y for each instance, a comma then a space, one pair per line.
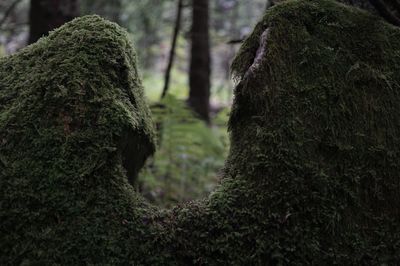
173, 46
8, 11
46, 15
199, 75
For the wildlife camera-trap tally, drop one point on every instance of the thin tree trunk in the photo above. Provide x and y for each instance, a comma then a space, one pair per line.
173, 47
9, 10
46, 15
199, 75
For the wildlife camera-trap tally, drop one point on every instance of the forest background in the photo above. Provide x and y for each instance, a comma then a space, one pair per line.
184, 48
188, 87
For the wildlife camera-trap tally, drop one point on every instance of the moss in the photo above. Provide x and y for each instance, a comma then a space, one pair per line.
311, 178
72, 113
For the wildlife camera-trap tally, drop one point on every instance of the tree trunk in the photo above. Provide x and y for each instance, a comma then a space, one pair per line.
46, 15
173, 47
199, 76
8, 11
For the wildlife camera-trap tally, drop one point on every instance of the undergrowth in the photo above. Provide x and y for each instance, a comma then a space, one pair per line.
189, 155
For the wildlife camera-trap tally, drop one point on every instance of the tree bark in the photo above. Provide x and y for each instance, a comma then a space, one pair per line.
199, 75
173, 47
46, 15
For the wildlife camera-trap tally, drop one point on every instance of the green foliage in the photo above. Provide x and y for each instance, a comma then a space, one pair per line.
188, 157
312, 175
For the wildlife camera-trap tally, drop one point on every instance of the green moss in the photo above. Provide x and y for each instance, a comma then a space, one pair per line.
72, 113
311, 178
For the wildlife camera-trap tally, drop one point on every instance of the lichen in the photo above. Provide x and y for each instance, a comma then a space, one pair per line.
312, 174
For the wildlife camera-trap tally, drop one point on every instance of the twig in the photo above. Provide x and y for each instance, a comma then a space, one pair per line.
235, 41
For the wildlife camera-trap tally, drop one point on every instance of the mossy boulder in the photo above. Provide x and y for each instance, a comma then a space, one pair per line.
312, 176
73, 126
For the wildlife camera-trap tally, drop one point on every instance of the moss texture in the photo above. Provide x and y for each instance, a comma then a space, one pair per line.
312, 176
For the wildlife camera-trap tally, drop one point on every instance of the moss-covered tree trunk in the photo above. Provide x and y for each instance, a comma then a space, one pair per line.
199, 73
312, 177
46, 15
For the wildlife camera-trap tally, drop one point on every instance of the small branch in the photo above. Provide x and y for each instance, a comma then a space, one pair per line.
9, 11
236, 41
384, 12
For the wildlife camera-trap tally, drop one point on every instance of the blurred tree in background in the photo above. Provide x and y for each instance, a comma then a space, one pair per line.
46, 15
14, 25
172, 49
199, 72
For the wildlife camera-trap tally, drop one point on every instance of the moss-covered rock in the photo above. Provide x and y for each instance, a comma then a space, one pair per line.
73, 126
312, 176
